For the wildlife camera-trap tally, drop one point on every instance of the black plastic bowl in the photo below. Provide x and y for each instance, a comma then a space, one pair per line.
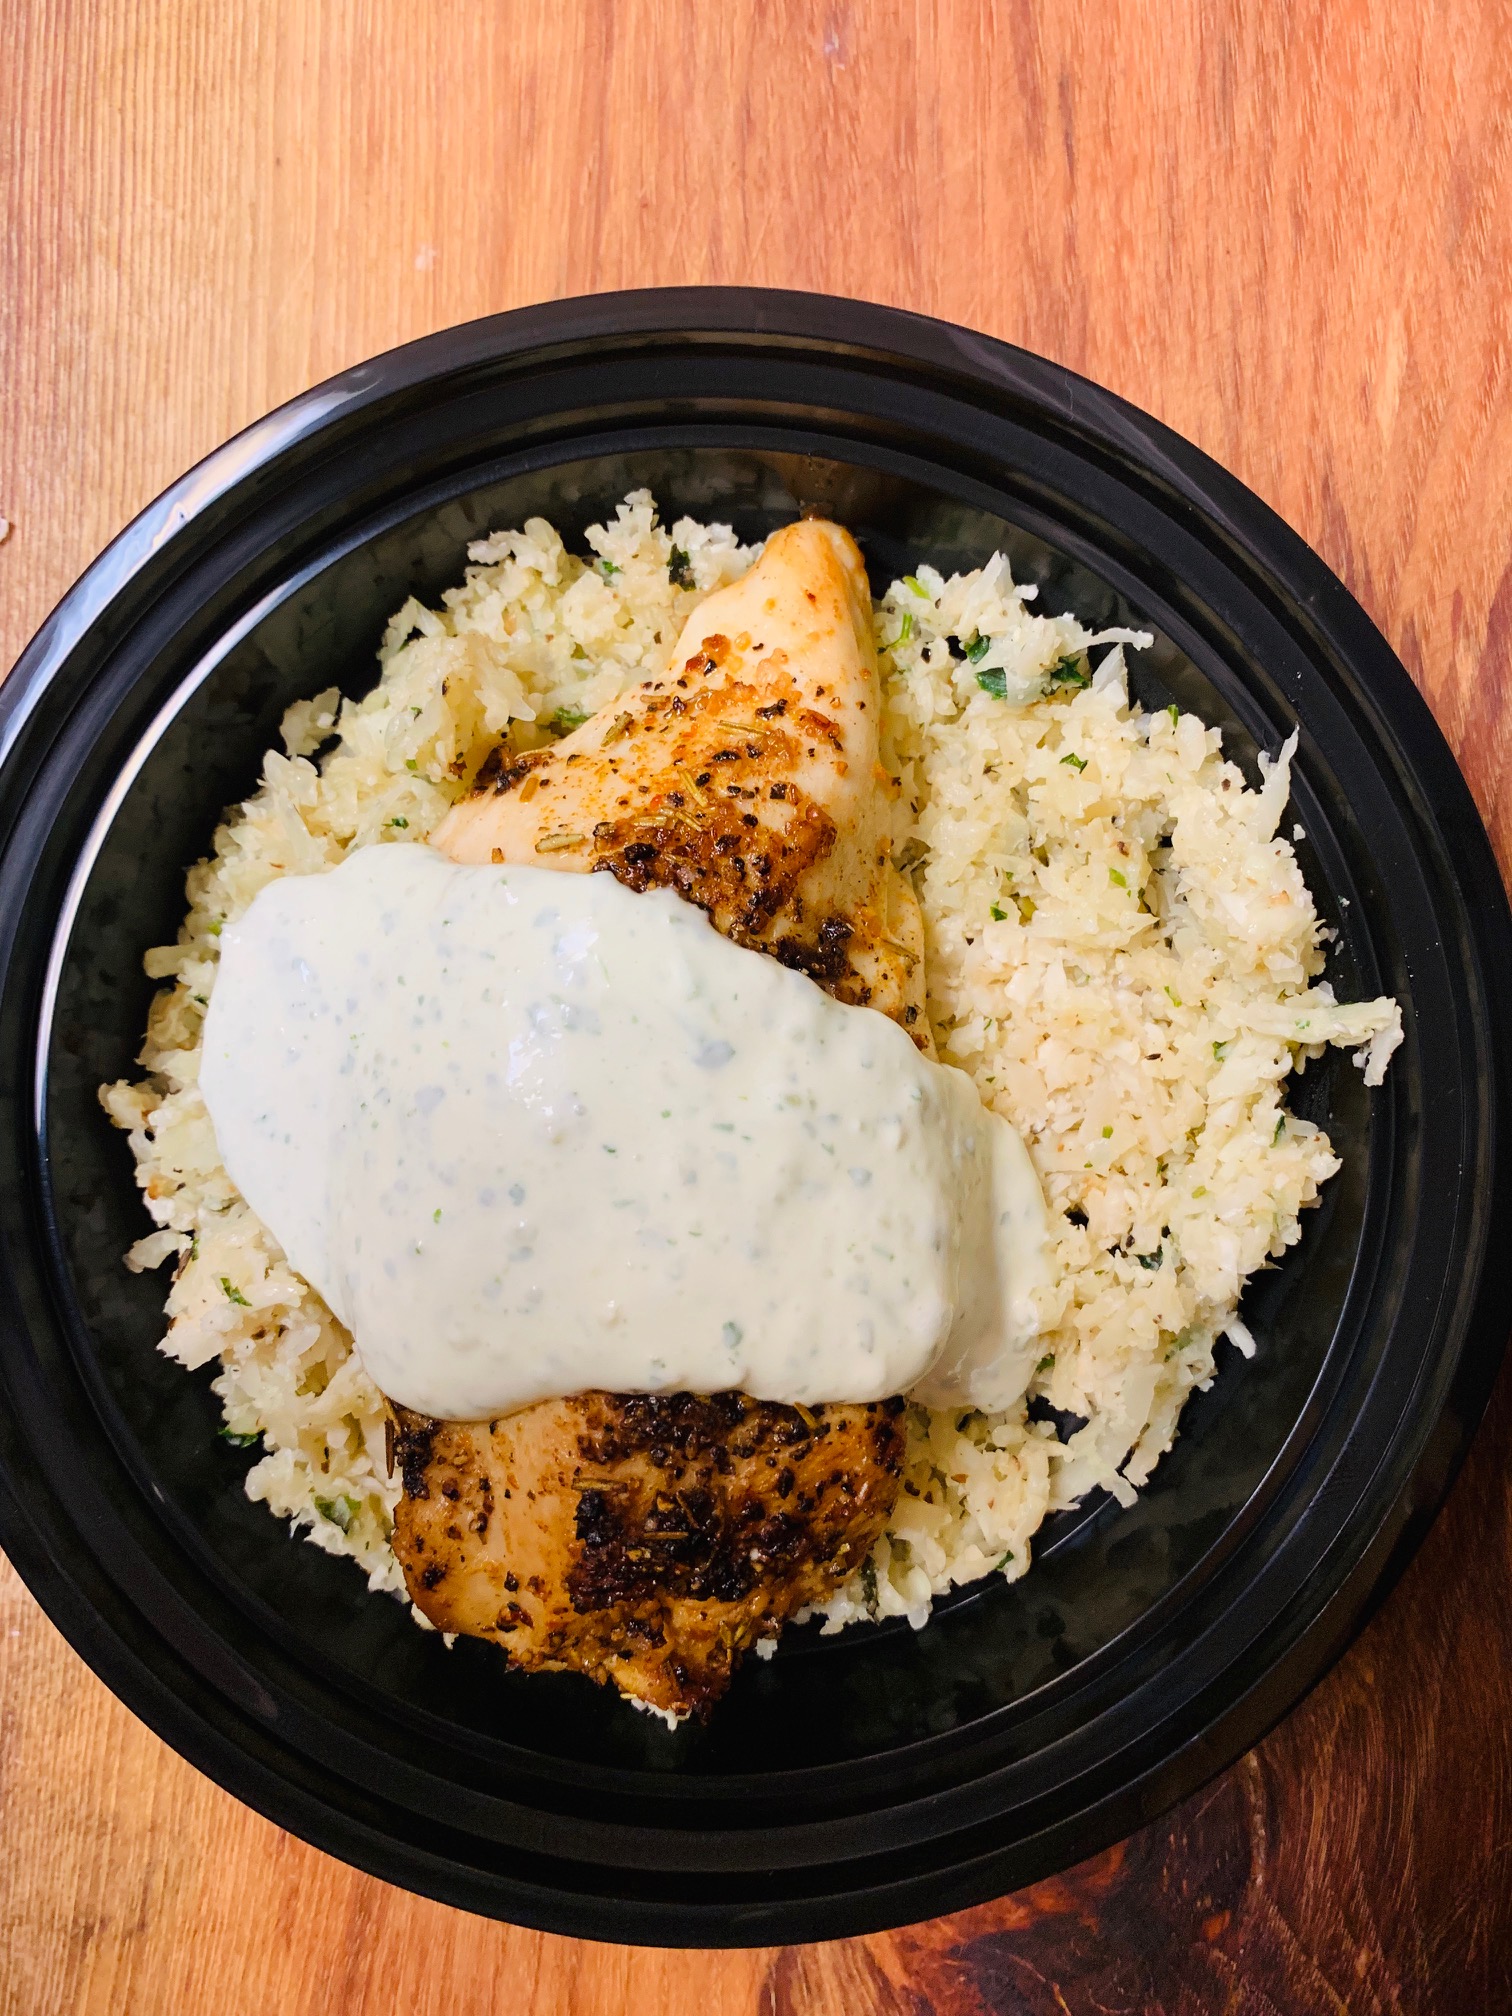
879, 1776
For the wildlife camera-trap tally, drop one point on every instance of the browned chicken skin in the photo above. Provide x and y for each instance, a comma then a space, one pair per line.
651, 1540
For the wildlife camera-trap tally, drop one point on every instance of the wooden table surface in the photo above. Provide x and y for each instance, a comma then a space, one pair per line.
1283, 229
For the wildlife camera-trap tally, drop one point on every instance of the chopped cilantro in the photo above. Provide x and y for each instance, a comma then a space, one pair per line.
566, 719
904, 633
399, 822
680, 569
978, 647
340, 1511
214, 926
201, 1000
1046, 1362
998, 915
912, 581
1175, 998
1150, 1260
994, 682
1175, 713
233, 1294
410, 763
229, 1434
1220, 1051
1004, 1559
609, 568
436, 1215
1200, 1191
1117, 877
869, 1583
1076, 762
1067, 672
1280, 1130
1107, 1133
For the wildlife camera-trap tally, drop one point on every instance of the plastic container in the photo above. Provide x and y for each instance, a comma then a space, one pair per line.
882, 1775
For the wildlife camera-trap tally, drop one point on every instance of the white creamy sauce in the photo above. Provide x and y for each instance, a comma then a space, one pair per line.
530, 1133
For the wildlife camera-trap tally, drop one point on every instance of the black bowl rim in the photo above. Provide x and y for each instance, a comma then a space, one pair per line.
1258, 541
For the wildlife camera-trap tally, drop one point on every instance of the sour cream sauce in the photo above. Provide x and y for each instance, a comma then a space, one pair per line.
530, 1133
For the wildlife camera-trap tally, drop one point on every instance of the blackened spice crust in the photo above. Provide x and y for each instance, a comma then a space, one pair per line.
709, 1518
413, 1437
661, 1534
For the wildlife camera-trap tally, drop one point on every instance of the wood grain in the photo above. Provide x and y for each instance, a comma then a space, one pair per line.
1285, 230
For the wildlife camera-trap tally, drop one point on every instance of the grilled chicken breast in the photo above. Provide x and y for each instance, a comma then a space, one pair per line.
647, 1540
747, 778
651, 1540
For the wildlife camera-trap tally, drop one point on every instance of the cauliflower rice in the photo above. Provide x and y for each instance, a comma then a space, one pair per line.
1121, 952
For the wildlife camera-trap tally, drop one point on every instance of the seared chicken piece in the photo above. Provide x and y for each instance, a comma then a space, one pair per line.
747, 778
649, 1541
